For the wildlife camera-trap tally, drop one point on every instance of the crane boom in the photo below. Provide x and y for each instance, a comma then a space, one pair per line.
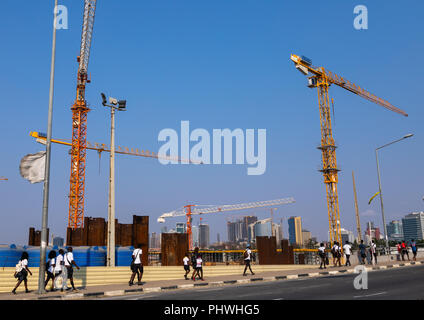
224, 208
101, 147
188, 211
331, 77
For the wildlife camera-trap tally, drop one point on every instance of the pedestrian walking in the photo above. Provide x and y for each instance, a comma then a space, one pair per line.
333, 253
194, 263
399, 249
186, 261
322, 255
373, 249
59, 271
347, 251
338, 254
51, 263
247, 255
137, 265
199, 267
69, 263
404, 248
414, 249
21, 272
362, 251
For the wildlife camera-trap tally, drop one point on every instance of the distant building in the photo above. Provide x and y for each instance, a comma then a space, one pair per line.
238, 231
306, 236
413, 226
372, 232
58, 241
195, 235
263, 228
154, 241
347, 236
395, 230
295, 230
204, 238
246, 221
180, 227
231, 231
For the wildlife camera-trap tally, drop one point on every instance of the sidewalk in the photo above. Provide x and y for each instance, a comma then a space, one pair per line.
162, 285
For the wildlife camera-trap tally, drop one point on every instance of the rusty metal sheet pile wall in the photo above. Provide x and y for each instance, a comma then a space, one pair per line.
34, 238
267, 251
173, 248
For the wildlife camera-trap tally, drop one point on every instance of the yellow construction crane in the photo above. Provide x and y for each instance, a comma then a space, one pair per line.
3, 178
322, 79
101, 147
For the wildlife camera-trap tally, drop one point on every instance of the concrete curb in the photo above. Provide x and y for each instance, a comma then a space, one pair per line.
115, 293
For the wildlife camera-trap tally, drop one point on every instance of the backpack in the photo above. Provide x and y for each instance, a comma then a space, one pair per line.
245, 254
18, 267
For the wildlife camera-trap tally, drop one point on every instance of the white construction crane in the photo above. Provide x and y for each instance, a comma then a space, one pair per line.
188, 210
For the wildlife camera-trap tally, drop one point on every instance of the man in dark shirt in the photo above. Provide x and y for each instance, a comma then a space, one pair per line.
363, 251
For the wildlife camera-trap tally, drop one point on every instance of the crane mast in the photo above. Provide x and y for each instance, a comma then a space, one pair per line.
79, 123
322, 79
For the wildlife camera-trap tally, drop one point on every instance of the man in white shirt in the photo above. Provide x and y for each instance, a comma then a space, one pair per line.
247, 258
59, 280
69, 262
186, 260
136, 265
347, 251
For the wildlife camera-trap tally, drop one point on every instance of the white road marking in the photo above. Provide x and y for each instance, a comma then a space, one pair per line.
371, 295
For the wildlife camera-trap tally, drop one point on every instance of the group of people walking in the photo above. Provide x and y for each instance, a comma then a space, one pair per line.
403, 247
366, 254
197, 263
59, 268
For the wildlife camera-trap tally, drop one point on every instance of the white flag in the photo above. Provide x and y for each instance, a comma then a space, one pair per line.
32, 167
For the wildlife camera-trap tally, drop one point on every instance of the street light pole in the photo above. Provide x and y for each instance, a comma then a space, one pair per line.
111, 203
379, 188
111, 207
46, 188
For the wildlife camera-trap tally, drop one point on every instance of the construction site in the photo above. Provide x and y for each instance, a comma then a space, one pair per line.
103, 247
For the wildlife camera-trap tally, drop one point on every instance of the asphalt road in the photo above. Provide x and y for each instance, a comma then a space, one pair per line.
394, 284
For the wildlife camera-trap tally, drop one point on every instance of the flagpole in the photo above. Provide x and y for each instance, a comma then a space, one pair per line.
44, 220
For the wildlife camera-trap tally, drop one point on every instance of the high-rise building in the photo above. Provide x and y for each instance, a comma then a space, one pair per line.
306, 236
204, 236
231, 231
372, 232
180, 227
263, 228
246, 221
395, 230
154, 241
295, 230
413, 226
195, 235
347, 236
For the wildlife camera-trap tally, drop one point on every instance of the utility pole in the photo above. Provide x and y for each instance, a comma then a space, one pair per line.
358, 222
44, 219
120, 105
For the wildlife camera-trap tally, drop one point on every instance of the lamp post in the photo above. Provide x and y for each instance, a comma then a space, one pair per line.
46, 187
379, 187
121, 106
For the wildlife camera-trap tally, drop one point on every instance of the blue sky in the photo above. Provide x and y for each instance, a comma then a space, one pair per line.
218, 64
